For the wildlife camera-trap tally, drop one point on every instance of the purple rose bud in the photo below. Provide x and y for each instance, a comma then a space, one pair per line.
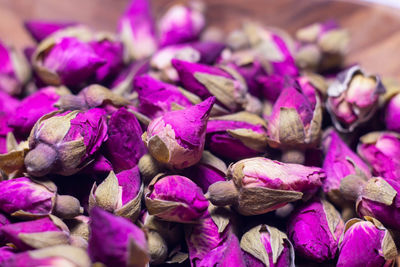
366, 243
264, 245
111, 51
156, 97
294, 124
99, 166
244, 133
176, 198
381, 150
353, 98
124, 145
14, 70
315, 229
35, 106
23, 197
62, 143
40, 233
136, 30
6, 253
339, 162
8, 105
224, 83
272, 86
181, 24
61, 255
40, 29
392, 113
212, 242
177, 138
120, 194
259, 185
126, 243
321, 46
209, 170
66, 60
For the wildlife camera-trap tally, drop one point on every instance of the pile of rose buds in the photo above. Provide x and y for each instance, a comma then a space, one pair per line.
172, 142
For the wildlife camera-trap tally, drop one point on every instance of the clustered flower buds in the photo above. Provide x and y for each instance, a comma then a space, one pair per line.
171, 141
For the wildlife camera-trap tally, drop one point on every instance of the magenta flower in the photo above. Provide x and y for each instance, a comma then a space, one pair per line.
40, 29
62, 143
136, 30
116, 241
366, 243
392, 112
180, 24
315, 229
8, 105
177, 137
176, 198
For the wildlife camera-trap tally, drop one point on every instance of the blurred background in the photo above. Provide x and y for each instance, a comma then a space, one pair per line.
374, 25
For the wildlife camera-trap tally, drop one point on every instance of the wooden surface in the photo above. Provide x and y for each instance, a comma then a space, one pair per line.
375, 30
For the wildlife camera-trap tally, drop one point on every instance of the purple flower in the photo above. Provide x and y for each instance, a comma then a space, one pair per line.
392, 113
259, 185
116, 241
244, 133
120, 194
40, 29
315, 228
339, 162
381, 150
124, 145
61, 255
8, 105
272, 86
180, 24
14, 70
62, 143
176, 198
366, 243
224, 83
156, 97
353, 98
6, 253
264, 245
40, 233
177, 137
31, 108
136, 30
67, 60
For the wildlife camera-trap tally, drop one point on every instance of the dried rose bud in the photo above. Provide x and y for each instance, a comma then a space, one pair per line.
14, 71
31, 108
264, 245
315, 229
321, 46
99, 166
366, 243
180, 24
177, 138
202, 52
79, 226
224, 83
156, 97
66, 60
40, 233
244, 133
209, 170
339, 162
212, 242
116, 241
120, 194
40, 29
90, 97
62, 143
175, 198
61, 255
8, 105
110, 50
381, 151
353, 98
6, 253
136, 30
259, 185
392, 112
123, 83
294, 124
149, 167
12, 161
23, 197
124, 145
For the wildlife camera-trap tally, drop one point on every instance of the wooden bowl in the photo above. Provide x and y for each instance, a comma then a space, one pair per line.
374, 29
